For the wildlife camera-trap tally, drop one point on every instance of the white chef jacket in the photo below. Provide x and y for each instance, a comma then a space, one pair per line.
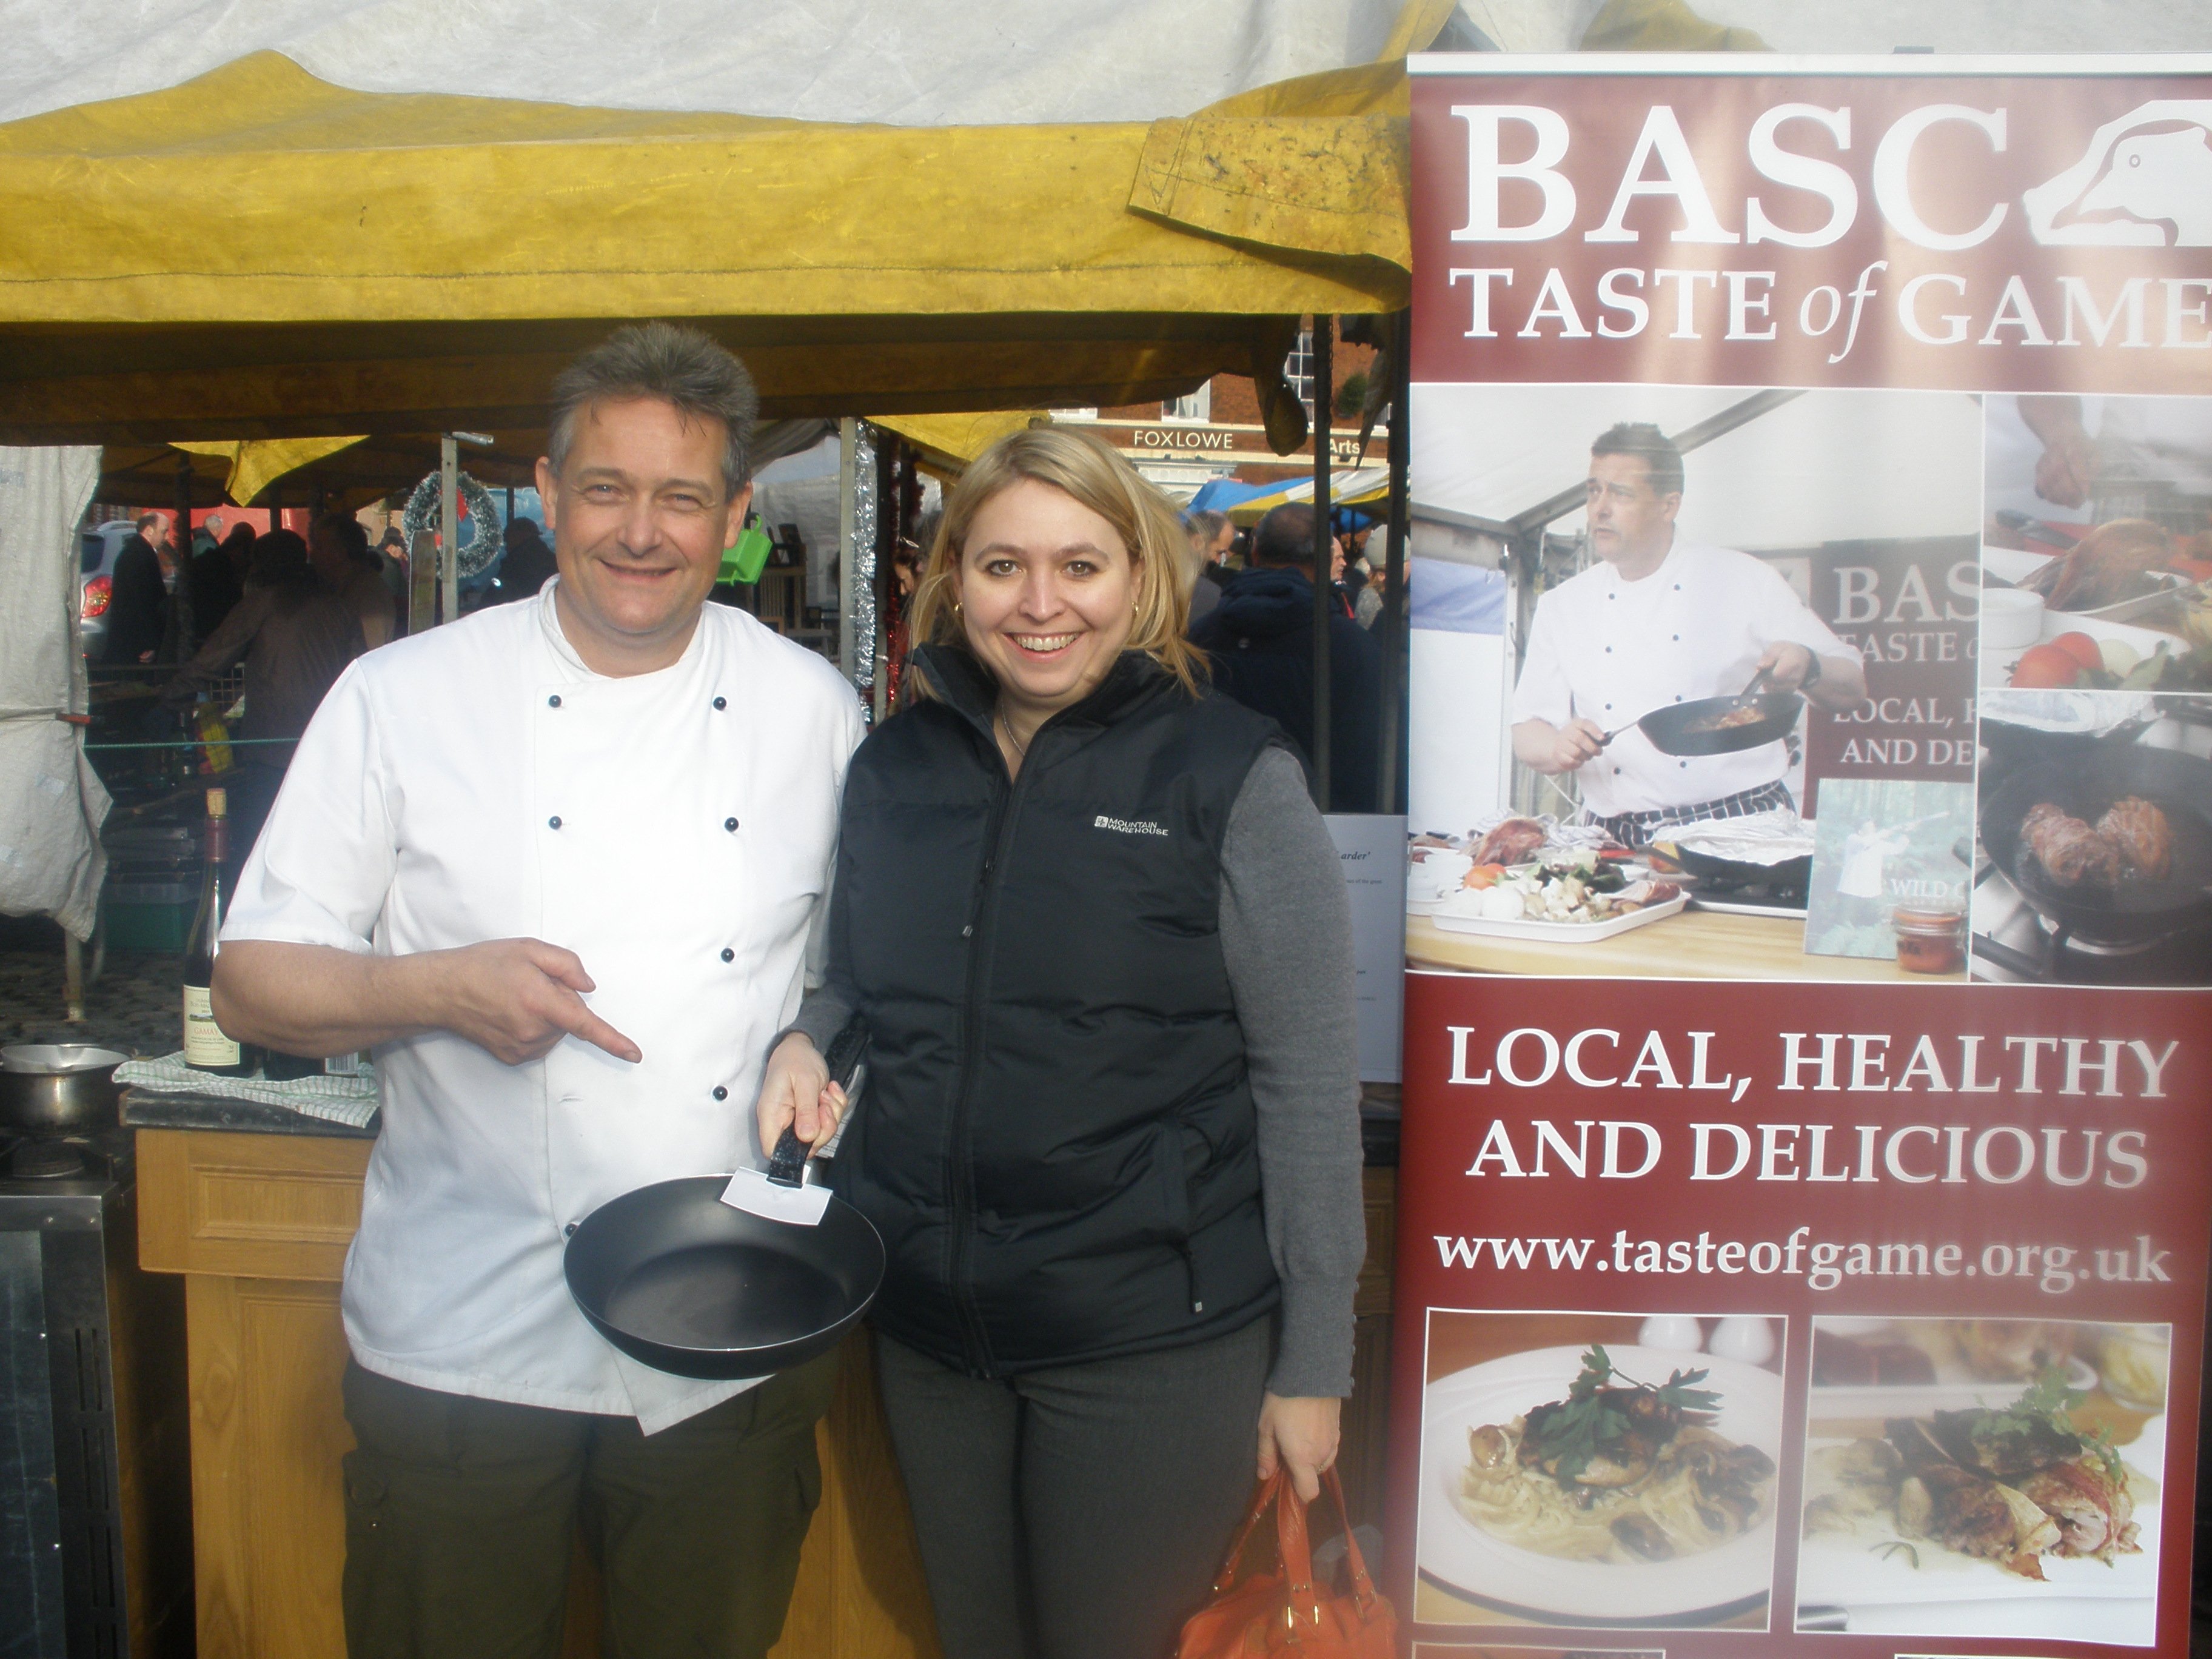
1612, 651
479, 782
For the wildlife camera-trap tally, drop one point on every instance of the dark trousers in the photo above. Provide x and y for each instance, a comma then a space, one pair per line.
1079, 1512
460, 1515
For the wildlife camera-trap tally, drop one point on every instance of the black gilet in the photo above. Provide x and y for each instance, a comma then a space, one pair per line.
1057, 1140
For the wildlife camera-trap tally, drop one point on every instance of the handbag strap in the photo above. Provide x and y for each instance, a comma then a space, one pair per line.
1363, 1587
1302, 1607
1262, 1499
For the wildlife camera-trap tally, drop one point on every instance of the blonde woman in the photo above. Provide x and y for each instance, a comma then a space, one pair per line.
1110, 1133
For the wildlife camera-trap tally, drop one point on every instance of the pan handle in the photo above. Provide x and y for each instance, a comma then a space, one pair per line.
847, 1064
786, 1164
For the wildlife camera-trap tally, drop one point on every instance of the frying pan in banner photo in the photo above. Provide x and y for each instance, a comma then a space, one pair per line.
2179, 785
1719, 725
682, 1281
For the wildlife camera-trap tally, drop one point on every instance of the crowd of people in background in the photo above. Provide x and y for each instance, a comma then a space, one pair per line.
289, 611
1251, 612
296, 611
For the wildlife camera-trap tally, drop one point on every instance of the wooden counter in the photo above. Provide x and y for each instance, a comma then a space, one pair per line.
258, 1224
1692, 944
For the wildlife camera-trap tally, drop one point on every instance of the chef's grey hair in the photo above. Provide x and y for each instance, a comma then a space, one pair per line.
678, 366
1650, 446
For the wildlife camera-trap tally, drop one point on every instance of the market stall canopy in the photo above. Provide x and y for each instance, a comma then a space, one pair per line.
260, 254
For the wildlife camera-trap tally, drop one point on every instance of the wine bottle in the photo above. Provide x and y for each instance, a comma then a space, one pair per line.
208, 1047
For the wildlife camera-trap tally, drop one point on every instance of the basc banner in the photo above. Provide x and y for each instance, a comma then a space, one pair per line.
1806, 1186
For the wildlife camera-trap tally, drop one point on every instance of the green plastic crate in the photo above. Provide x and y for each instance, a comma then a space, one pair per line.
149, 927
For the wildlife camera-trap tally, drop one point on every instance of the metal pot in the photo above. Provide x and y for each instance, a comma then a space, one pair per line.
58, 1088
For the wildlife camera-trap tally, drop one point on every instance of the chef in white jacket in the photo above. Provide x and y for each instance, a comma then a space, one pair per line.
560, 863
1659, 620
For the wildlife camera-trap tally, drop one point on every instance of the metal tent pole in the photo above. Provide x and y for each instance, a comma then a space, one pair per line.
1391, 624
449, 526
1324, 389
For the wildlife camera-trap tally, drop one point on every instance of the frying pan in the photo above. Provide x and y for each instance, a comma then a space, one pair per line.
1792, 875
1672, 729
2180, 784
686, 1284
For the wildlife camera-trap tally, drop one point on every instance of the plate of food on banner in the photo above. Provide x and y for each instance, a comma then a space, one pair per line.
1938, 1506
1528, 878
1623, 1487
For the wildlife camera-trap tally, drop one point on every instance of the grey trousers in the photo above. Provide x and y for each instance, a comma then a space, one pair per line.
1079, 1512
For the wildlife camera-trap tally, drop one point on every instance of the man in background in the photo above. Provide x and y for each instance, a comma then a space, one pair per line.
1260, 640
1201, 534
138, 600
338, 548
528, 565
217, 574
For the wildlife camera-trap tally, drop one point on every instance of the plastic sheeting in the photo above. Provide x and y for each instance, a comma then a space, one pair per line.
1838, 25
910, 62
51, 803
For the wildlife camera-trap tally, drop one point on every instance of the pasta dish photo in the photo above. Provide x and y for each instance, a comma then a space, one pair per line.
1596, 1481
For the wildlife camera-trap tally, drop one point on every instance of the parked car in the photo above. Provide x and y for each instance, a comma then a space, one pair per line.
97, 546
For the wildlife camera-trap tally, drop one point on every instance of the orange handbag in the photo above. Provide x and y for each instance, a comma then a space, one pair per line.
1282, 1611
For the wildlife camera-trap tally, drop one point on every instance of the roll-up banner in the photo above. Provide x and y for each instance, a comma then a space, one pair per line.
1807, 1148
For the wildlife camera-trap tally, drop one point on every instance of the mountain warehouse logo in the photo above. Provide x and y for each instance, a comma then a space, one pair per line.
1126, 826
2154, 166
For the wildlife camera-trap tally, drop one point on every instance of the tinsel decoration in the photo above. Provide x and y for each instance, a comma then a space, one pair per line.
860, 580
478, 516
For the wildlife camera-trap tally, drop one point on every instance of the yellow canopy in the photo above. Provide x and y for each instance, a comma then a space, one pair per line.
259, 254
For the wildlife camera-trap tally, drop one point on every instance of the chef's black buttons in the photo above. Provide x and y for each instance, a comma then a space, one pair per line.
720, 1093
1678, 639
728, 955
720, 703
1685, 765
568, 1232
1609, 650
553, 822
1678, 587
1678, 696
1616, 771
1609, 705
553, 702
730, 824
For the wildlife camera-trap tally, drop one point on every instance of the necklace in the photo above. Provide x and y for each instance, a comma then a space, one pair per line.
1021, 750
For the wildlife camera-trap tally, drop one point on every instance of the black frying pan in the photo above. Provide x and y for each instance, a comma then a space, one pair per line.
1687, 728
684, 1283
1792, 875
2180, 784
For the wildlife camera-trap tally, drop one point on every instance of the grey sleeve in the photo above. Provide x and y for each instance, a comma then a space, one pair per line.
1287, 936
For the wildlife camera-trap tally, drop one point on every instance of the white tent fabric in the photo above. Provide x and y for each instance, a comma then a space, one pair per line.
51, 803
1968, 26
909, 62
1882, 25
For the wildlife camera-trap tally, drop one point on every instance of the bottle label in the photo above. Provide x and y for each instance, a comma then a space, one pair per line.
205, 1045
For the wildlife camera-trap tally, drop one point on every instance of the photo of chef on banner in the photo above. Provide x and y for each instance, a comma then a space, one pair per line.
1633, 688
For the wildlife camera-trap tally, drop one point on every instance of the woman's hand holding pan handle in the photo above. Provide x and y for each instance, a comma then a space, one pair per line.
796, 1091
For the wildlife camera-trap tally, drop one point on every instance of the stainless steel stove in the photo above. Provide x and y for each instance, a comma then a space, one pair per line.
2013, 943
91, 1405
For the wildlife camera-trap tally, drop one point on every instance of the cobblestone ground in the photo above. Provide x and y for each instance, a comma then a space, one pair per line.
131, 1006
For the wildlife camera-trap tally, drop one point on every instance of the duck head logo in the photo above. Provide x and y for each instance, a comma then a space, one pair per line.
2145, 181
